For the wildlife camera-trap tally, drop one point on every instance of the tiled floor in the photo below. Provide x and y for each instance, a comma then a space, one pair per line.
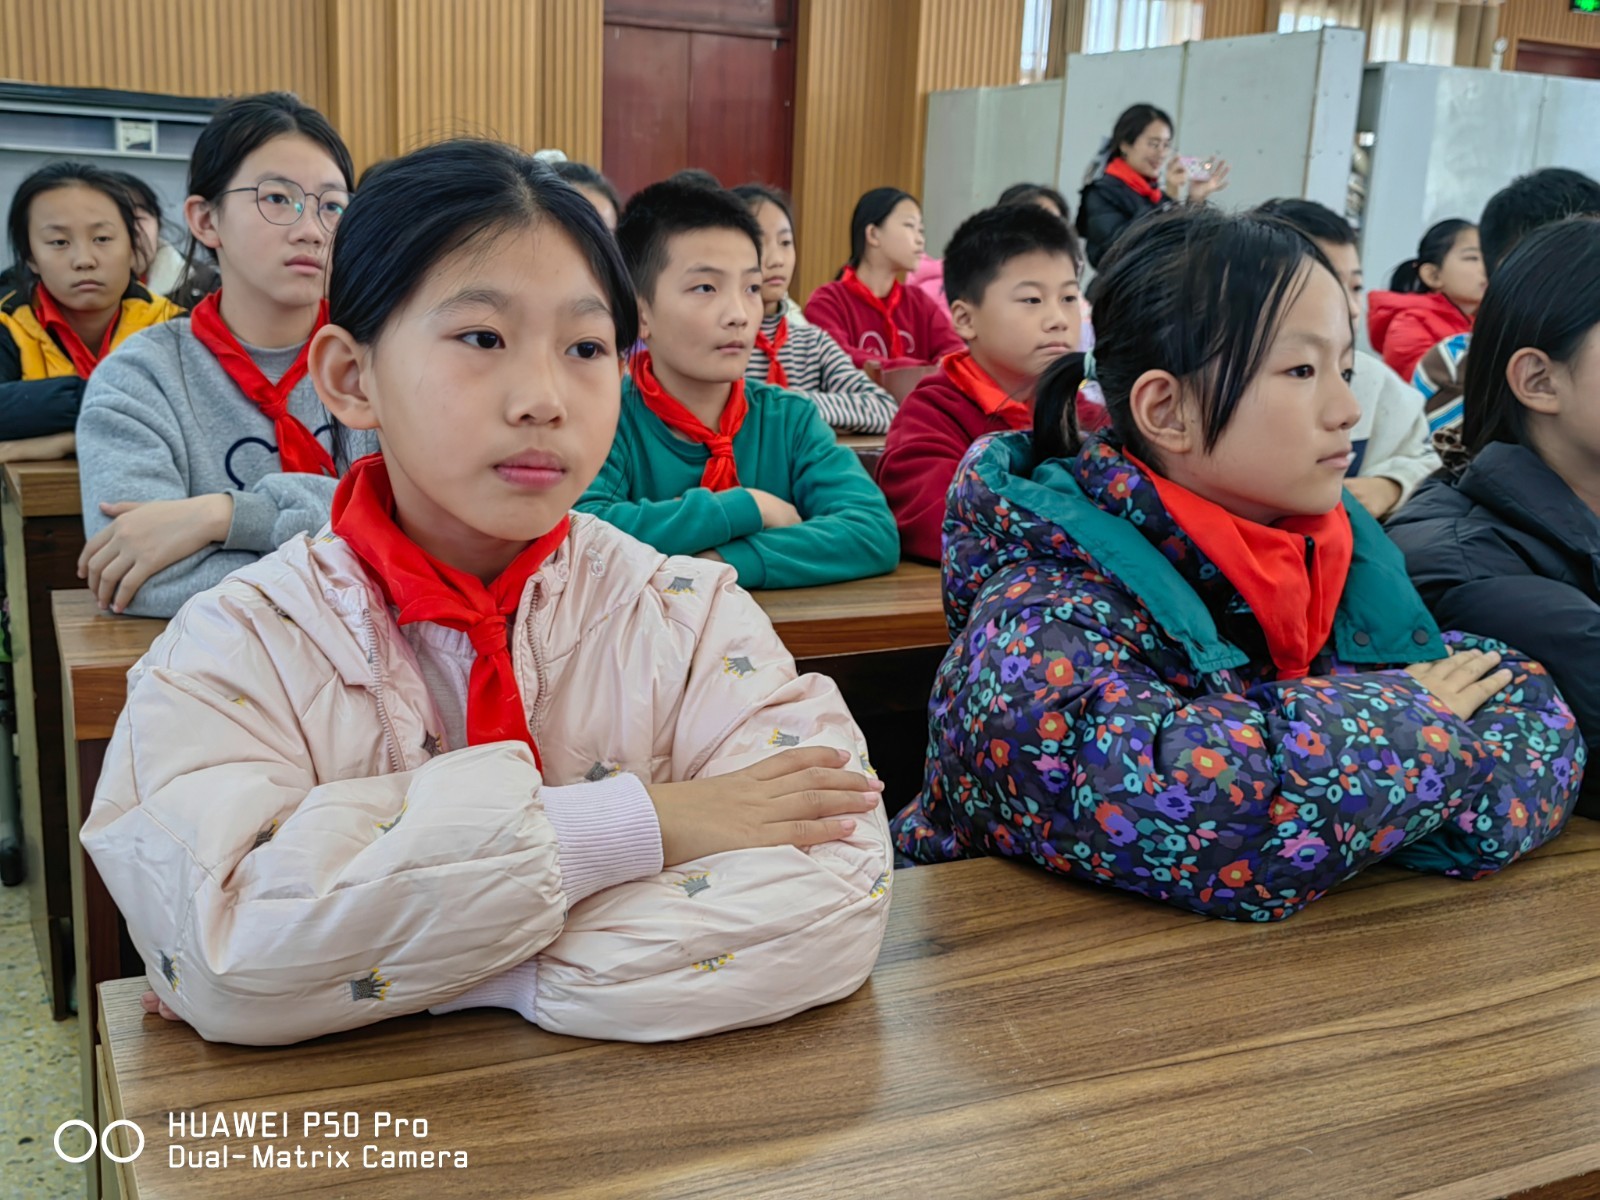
38, 1069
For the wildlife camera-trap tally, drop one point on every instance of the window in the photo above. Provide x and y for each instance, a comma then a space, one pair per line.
1036, 16
1416, 31
1141, 24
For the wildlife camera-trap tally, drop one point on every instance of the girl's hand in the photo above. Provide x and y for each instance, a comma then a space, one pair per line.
796, 798
1177, 176
1201, 188
1465, 681
146, 537
775, 513
153, 1004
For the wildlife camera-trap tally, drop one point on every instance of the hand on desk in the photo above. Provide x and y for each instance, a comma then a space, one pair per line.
146, 537
154, 1004
775, 513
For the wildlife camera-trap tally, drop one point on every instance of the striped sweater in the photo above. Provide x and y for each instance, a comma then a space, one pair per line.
822, 372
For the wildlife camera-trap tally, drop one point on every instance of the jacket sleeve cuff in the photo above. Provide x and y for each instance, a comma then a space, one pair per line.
607, 832
514, 988
253, 518
742, 512
747, 561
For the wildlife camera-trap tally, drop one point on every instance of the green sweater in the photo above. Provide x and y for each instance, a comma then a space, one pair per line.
650, 488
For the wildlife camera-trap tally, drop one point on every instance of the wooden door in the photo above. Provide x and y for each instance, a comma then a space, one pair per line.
1554, 58
699, 83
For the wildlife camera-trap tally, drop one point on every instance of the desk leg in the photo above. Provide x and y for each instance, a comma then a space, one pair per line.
41, 556
97, 936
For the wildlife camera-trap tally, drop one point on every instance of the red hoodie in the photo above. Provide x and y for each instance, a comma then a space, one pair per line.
935, 426
926, 334
1404, 326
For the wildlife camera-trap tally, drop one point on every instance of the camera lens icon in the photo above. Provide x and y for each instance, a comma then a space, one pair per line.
102, 1140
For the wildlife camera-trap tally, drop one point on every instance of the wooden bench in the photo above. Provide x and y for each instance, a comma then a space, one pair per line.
1408, 1035
42, 529
96, 651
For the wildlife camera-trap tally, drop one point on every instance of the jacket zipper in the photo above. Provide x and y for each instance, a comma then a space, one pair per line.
542, 700
390, 741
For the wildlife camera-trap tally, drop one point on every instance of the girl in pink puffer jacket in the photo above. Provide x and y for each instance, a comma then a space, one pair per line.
438, 757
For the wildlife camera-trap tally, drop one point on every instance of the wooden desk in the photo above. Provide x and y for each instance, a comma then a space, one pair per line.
96, 651
1406, 1036
42, 530
887, 612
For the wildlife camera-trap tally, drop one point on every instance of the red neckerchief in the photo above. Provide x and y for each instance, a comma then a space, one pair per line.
770, 347
424, 589
298, 448
979, 387
54, 322
1118, 168
1294, 602
721, 471
883, 305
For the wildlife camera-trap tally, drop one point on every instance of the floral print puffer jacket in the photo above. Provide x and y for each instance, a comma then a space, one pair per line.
1108, 710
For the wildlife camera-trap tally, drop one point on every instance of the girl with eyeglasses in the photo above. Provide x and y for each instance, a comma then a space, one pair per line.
204, 445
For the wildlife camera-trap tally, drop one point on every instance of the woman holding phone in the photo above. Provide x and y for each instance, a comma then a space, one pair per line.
1132, 182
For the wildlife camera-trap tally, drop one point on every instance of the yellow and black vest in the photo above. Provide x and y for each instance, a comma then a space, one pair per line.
43, 359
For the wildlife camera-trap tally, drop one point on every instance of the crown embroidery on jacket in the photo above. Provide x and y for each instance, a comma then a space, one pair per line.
693, 885
602, 770
371, 986
880, 887
280, 613
265, 835
740, 666
681, 585
431, 746
386, 826
714, 964
780, 738
240, 701
169, 970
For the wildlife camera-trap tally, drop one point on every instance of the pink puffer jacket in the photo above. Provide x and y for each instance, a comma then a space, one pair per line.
292, 861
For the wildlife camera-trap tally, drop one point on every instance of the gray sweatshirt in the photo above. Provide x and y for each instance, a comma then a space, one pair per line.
161, 420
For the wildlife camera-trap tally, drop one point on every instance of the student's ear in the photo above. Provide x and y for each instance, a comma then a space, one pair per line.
1530, 377
873, 237
961, 316
201, 218
1163, 415
1431, 276
337, 365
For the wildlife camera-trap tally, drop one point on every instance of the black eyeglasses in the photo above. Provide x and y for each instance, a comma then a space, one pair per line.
283, 202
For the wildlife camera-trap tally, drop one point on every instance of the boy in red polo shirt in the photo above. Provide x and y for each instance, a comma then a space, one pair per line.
1011, 274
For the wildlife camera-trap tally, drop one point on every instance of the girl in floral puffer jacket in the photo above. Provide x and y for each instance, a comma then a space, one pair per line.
439, 756
1181, 666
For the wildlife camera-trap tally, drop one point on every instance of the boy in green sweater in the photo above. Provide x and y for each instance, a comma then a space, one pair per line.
705, 463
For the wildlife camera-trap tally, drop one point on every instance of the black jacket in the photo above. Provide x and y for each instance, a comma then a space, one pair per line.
1509, 552
1106, 207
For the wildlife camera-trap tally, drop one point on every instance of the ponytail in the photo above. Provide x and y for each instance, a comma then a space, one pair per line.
1055, 409
1435, 247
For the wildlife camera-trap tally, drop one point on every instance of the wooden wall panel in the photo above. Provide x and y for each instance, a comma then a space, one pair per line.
1547, 21
186, 47
864, 73
1239, 18
390, 74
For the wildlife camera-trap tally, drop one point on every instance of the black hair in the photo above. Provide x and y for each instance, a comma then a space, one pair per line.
1532, 202
58, 175
662, 211
141, 193
476, 189
986, 241
1316, 221
1032, 193
872, 209
1133, 122
371, 169
582, 175
238, 129
1435, 247
695, 177
755, 195
1193, 291
1521, 310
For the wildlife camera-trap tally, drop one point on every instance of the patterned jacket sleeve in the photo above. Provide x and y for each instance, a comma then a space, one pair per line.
1062, 745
